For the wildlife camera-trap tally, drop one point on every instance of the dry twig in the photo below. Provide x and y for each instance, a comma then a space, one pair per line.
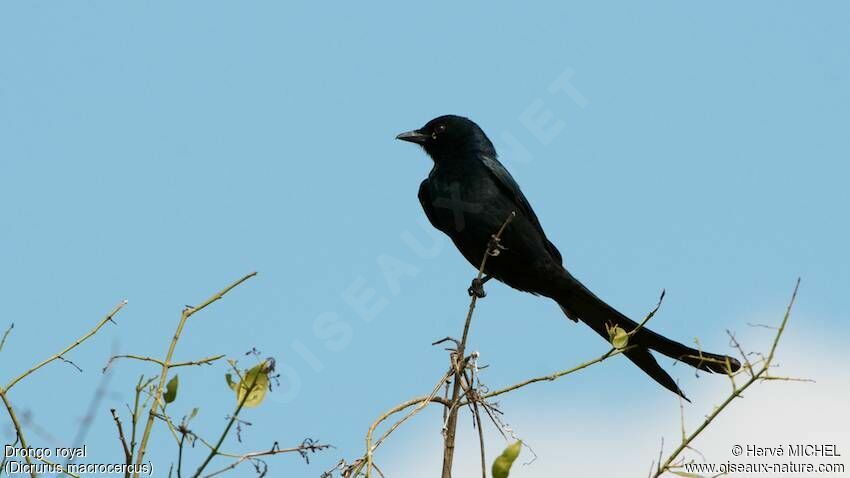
763, 374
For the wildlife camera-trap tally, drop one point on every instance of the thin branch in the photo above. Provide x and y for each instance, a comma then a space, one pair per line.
180, 456
203, 361
173, 429
610, 353
69, 362
469, 397
650, 315
760, 374
128, 457
6, 335
184, 316
451, 423
768, 378
464, 393
735, 343
140, 386
558, 375
17, 425
5, 390
474, 398
230, 422
67, 349
92, 411
301, 449
421, 403
782, 325
132, 357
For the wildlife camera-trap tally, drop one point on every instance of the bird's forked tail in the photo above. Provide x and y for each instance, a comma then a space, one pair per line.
581, 304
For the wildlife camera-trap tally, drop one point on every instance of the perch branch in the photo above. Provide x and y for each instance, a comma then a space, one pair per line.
459, 360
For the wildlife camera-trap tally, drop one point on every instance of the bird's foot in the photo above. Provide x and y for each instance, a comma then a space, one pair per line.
495, 247
477, 288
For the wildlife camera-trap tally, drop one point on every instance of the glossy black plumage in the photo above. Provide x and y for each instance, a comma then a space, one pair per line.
468, 195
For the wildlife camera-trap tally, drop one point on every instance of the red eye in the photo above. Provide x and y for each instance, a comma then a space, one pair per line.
439, 129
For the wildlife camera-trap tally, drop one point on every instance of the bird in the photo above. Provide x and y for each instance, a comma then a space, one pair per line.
469, 194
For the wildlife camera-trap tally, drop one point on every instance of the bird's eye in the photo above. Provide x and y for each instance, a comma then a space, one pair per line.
439, 129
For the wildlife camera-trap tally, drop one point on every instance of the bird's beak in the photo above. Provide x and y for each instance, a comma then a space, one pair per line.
414, 136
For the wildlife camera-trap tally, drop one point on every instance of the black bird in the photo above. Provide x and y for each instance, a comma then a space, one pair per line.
468, 195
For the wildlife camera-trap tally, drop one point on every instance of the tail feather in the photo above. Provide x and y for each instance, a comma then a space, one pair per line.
581, 304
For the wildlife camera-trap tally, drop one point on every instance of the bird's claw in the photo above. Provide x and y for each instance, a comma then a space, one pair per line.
495, 247
477, 289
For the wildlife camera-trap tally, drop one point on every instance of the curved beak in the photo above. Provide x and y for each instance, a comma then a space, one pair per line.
414, 136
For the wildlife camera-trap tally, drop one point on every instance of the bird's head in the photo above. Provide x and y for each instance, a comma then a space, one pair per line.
449, 136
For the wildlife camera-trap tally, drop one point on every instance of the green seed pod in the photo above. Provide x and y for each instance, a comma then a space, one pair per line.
502, 464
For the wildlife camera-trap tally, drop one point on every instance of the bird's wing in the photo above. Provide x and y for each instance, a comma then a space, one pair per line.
510, 187
425, 200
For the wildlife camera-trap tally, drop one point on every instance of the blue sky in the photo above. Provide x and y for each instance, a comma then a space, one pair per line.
158, 151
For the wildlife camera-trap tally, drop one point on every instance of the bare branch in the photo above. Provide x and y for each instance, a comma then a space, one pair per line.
203, 361
451, 423
307, 447
6, 335
17, 425
128, 457
610, 353
58, 356
67, 349
761, 374
233, 417
163, 376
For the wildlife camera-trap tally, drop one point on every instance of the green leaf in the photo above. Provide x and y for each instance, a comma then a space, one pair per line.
619, 337
502, 464
253, 387
171, 390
